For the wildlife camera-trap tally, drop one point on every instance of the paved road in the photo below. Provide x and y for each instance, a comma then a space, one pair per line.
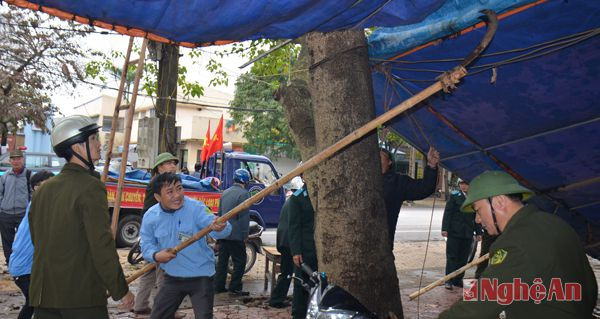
413, 223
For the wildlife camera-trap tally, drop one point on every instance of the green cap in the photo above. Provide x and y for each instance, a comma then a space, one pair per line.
164, 157
16, 153
492, 183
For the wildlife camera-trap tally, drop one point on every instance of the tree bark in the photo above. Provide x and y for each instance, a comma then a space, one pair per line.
167, 94
350, 231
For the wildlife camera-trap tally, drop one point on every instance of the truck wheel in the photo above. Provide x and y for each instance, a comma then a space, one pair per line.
128, 230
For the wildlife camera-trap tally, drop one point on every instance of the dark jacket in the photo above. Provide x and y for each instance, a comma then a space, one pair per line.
457, 223
75, 260
398, 188
232, 197
149, 199
302, 225
535, 244
283, 226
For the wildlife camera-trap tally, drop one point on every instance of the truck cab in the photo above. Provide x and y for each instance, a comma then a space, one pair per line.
262, 174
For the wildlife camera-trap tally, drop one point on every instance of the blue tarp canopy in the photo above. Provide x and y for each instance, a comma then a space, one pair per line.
529, 105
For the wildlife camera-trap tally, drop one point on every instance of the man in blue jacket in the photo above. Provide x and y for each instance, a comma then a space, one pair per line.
21, 257
234, 245
190, 272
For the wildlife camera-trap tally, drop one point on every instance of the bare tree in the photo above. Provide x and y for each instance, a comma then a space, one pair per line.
38, 54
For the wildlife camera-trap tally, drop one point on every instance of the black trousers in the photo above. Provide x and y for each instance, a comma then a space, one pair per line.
300, 301
457, 254
71, 313
236, 249
283, 282
23, 284
174, 289
8, 229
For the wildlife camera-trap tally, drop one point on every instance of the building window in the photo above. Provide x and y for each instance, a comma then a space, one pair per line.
107, 124
184, 158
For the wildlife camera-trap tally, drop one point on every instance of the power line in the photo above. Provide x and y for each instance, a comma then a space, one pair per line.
178, 101
60, 29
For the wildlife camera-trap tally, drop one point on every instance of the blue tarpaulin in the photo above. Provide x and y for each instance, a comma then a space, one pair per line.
189, 182
529, 105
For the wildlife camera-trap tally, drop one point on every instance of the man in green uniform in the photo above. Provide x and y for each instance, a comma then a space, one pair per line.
302, 245
533, 251
280, 291
459, 229
164, 163
75, 260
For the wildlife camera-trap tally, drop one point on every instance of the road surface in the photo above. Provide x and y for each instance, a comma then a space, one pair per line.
413, 223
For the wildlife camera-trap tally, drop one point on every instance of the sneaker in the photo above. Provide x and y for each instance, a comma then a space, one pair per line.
239, 293
448, 286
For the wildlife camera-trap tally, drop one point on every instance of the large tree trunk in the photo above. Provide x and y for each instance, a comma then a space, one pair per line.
351, 237
167, 93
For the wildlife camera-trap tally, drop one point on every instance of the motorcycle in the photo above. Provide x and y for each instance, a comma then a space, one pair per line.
253, 246
328, 300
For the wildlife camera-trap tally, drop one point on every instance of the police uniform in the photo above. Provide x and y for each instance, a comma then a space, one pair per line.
535, 245
302, 242
279, 293
75, 260
460, 227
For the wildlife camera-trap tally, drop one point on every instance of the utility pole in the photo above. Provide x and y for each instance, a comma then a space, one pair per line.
167, 94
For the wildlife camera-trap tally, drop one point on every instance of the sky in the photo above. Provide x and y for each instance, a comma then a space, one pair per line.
66, 99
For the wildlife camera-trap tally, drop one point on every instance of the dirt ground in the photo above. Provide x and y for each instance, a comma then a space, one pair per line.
409, 262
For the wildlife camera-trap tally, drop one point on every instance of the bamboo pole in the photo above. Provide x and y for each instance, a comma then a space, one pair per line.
449, 276
455, 76
126, 138
115, 117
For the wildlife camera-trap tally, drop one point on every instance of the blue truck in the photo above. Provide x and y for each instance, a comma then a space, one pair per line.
262, 173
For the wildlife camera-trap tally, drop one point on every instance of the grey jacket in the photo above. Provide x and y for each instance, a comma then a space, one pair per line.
232, 197
14, 192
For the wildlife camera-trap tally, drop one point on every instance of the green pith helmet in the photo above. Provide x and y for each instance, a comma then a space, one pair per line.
164, 157
492, 183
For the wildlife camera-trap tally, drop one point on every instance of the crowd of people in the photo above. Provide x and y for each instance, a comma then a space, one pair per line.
60, 250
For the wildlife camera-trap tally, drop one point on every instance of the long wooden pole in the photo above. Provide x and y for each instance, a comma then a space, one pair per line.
126, 138
449, 276
115, 118
455, 75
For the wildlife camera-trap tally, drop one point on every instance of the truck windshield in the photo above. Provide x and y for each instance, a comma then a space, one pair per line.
260, 173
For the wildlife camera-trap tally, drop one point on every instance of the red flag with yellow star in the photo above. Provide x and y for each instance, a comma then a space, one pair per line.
205, 146
216, 143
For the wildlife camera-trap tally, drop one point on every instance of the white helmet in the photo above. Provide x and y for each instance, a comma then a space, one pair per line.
72, 130
296, 183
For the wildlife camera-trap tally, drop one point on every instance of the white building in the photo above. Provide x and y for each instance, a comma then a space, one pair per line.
192, 117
